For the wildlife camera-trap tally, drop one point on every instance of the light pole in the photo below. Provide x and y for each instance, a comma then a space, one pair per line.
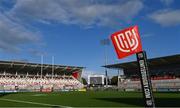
105, 43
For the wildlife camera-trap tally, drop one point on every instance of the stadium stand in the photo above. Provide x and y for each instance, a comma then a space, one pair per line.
164, 72
157, 84
24, 77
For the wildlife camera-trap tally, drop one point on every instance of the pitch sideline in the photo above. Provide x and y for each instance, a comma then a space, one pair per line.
36, 103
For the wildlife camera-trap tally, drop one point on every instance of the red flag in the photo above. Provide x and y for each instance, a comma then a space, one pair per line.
127, 42
75, 74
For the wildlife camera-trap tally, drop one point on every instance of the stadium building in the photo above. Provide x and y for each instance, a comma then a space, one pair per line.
28, 77
164, 72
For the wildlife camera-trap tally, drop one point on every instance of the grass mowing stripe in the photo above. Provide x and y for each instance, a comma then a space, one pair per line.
36, 103
89, 99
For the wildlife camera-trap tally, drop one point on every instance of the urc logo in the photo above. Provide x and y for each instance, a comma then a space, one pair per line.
127, 42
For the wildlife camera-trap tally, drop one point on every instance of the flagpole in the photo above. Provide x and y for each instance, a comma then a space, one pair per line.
127, 42
105, 54
41, 65
52, 67
145, 78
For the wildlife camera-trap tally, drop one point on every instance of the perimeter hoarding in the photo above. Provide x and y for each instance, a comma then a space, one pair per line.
127, 42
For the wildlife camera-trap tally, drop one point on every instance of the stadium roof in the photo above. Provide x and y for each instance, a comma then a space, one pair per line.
152, 63
16, 66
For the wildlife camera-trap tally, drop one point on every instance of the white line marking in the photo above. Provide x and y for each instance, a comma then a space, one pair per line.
39, 95
19, 101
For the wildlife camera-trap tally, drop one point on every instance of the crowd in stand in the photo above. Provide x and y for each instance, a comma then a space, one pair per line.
165, 77
58, 82
157, 82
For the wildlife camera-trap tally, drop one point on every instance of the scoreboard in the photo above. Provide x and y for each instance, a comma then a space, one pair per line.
96, 79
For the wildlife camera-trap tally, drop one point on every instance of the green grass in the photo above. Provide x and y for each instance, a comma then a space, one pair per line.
86, 99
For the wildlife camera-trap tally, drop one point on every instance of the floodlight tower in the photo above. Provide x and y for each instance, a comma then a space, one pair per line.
105, 43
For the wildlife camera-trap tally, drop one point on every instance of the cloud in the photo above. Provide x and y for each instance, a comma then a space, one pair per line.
167, 2
16, 17
166, 17
13, 35
37, 52
77, 12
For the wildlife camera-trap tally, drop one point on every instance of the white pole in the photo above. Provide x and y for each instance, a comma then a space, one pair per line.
106, 60
118, 78
52, 67
16, 74
27, 74
41, 65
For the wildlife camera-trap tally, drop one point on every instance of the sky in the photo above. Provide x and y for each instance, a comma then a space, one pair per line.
71, 30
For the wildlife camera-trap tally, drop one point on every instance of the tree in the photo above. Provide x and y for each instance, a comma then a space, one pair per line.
84, 81
114, 80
